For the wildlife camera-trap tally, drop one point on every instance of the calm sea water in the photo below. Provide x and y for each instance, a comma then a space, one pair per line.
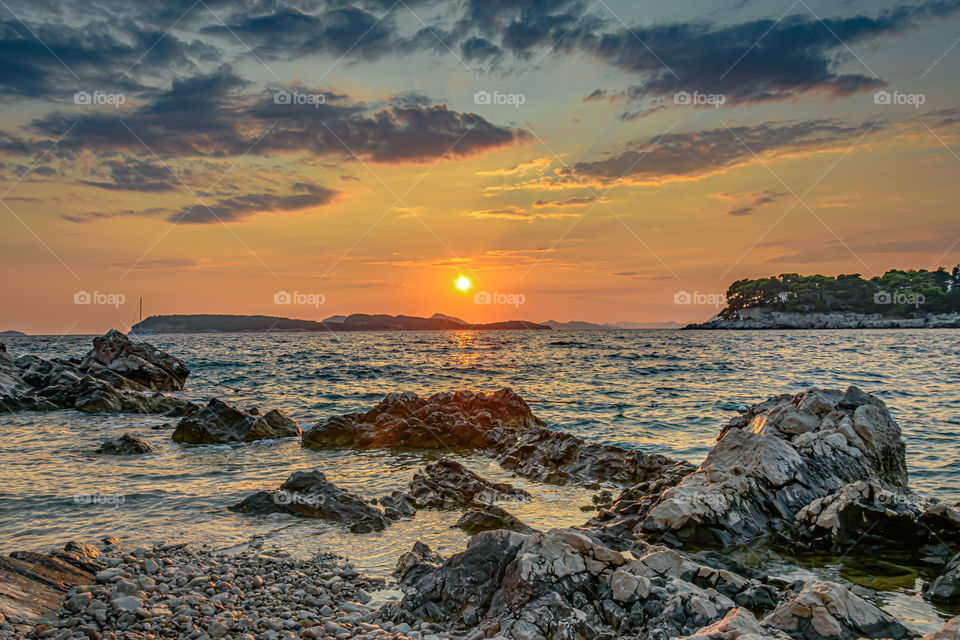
660, 391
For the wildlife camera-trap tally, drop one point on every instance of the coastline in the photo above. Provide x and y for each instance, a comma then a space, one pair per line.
789, 321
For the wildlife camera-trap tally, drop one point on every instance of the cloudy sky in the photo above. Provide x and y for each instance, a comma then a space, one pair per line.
588, 159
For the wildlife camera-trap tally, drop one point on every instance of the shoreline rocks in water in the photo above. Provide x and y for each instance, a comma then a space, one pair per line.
309, 494
498, 424
220, 423
447, 484
125, 445
767, 465
117, 375
778, 320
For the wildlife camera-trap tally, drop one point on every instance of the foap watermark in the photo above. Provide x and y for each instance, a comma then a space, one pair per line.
497, 98
85, 297
685, 297
299, 98
485, 297
697, 99
292, 497
899, 298
298, 297
898, 98
100, 499
99, 99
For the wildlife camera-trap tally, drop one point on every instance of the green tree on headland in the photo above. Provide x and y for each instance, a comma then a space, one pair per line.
895, 293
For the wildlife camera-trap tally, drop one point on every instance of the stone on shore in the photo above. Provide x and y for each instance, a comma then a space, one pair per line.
498, 424
125, 445
309, 494
950, 631
221, 423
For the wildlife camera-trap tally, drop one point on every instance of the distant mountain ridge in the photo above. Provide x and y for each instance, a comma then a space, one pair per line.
577, 325
222, 323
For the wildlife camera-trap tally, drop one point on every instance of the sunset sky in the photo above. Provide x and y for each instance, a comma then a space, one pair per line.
207, 154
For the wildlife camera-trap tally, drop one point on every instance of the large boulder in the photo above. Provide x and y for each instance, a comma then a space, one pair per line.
309, 494
950, 631
563, 584
766, 466
828, 610
447, 484
220, 423
498, 424
138, 361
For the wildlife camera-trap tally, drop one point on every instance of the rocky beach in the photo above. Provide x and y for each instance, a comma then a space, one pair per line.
657, 555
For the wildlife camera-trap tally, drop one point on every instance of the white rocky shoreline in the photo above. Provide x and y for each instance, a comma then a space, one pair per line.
817, 471
777, 320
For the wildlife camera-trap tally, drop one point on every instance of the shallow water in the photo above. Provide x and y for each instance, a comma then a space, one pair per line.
660, 391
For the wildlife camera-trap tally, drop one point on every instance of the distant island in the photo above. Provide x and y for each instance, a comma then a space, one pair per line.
898, 299
578, 325
11, 332
217, 323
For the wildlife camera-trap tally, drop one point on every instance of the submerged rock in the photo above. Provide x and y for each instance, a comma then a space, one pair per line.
219, 423
137, 361
499, 424
946, 588
767, 465
489, 518
125, 445
309, 494
447, 484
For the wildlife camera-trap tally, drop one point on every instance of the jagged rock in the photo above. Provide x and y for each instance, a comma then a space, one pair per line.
738, 624
563, 584
767, 465
865, 517
829, 610
499, 424
219, 423
137, 361
416, 562
310, 495
125, 445
946, 588
32, 584
488, 518
447, 484
950, 631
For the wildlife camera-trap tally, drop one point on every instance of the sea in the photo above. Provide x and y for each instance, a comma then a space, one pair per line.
659, 391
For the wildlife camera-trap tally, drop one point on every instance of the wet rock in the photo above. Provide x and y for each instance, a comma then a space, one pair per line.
488, 518
32, 584
309, 494
828, 610
738, 624
447, 484
767, 465
137, 361
125, 445
499, 424
946, 588
866, 517
219, 423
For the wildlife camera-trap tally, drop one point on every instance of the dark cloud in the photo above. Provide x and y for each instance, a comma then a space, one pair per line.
41, 60
748, 203
239, 206
708, 151
207, 115
130, 174
564, 203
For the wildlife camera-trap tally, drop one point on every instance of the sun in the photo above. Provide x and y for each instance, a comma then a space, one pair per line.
463, 283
